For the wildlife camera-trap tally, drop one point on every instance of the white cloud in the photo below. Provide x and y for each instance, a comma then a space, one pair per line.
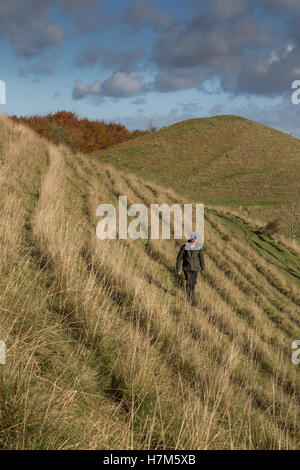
81, 90
123, 85
119, 85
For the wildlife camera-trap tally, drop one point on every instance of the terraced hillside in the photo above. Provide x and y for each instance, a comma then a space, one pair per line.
102, 349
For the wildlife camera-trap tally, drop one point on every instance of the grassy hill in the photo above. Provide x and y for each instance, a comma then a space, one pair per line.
102, 349
223, 160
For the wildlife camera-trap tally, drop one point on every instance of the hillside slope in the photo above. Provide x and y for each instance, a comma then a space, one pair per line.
223, 159
102, 349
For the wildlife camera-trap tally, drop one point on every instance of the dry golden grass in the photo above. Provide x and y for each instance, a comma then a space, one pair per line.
102, 349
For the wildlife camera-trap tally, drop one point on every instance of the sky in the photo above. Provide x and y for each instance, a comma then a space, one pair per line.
148, 62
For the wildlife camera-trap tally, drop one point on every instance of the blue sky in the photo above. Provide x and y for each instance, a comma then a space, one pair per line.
142, 61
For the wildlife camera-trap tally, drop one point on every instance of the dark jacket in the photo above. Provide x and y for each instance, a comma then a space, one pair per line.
192, 260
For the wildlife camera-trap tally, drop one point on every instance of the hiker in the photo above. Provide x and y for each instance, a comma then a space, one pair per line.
191, 257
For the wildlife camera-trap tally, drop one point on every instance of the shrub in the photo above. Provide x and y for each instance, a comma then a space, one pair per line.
271, 228
80, 135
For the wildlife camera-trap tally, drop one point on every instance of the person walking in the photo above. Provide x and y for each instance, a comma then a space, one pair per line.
191, 258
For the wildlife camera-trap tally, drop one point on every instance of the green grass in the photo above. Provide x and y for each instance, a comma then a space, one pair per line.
285, 259
223, 160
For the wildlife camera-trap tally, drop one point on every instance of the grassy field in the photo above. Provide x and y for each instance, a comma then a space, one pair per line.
103, 350
224, 160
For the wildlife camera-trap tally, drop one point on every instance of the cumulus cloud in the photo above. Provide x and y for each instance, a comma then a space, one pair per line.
124, 61
119, 85
81, 90
202, 42
229, 42
32, 31
276, 6
248, 46
140, 13
89, 57
123, 85
89, 15
229, 8
271, 75
179, 79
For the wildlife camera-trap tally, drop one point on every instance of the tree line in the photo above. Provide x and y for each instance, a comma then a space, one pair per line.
81, 135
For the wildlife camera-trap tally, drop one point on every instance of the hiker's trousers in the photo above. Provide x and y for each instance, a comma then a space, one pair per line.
191, 280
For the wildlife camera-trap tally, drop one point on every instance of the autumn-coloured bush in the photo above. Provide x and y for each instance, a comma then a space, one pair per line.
80, 135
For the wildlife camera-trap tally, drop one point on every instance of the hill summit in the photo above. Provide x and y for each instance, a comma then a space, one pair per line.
218, 160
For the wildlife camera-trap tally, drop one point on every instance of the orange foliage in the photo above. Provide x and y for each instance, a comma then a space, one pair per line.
81, 135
